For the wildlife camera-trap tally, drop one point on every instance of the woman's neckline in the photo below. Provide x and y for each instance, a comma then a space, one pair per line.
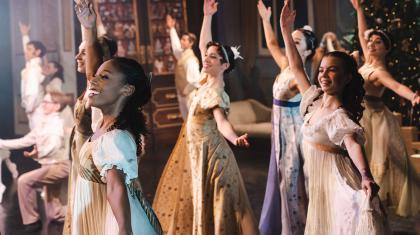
96, 136
322, 118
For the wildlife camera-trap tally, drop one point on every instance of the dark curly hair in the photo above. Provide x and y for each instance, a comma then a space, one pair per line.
353, 92
229, 54
131, 117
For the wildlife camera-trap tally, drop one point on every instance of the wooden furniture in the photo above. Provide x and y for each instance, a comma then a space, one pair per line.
252, 117
121, 23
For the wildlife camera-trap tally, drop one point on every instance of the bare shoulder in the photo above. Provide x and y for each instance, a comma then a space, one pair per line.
381, 74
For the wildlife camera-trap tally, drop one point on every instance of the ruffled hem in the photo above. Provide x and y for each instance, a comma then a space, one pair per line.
129, 176
342, 127
116, 148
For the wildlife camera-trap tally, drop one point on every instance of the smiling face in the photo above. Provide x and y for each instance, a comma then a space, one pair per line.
300, 42
212, 64
332, 77
108, 88
376, 46
81, 58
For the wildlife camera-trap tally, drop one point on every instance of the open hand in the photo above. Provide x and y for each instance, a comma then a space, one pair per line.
210, 7
24, 28
170, 21
287, 17
242, 141
86, 14
265, 12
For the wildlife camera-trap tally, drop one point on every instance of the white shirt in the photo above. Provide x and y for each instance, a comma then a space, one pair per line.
32, 91
191, 65
55, 84
48, 138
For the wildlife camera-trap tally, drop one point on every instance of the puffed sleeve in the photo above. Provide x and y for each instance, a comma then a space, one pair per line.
116, 149
310, 100
214, 97
340, 126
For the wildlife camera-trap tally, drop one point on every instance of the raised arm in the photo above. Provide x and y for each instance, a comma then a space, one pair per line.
270, 37
287, 19
24, 31
175, 42
209, 8
361, 25
87, 17
389, 82
330, 44
100, 28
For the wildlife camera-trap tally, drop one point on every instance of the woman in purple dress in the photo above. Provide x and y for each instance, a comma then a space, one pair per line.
285, 202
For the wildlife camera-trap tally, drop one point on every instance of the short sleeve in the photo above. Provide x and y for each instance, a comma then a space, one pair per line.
340, 126
116, 149
308, 99
213, 97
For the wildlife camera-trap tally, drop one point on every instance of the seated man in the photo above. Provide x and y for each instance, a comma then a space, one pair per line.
49, 151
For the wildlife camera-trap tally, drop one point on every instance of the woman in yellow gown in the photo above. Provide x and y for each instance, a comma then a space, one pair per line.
201, 190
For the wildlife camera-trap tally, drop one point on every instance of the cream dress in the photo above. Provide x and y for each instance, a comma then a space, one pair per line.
386, 153
201, 190
337, 205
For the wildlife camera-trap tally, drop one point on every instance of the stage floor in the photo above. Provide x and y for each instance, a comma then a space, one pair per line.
253, 163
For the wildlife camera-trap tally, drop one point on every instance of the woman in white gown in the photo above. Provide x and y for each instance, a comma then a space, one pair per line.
340, 183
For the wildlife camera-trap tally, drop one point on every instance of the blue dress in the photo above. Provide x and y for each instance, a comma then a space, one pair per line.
285, 201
